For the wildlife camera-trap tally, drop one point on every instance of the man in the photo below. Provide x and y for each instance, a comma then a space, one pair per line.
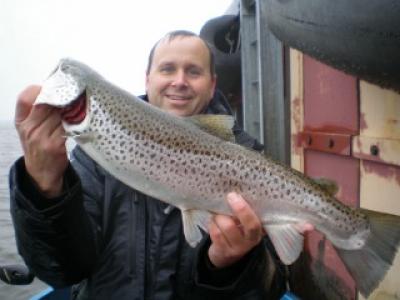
76, 224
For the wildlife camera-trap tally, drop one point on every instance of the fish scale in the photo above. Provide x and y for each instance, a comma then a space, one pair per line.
192, 164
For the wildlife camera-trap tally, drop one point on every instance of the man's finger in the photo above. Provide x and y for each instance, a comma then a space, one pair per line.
217, 233
250, 222
25, 102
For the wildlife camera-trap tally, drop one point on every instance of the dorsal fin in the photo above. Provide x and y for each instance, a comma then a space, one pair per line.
218, 125
327, 185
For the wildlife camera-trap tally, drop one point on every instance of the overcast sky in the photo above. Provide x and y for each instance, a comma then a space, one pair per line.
113, 37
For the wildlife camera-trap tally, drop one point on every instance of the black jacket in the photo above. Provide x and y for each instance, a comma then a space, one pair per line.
114, 242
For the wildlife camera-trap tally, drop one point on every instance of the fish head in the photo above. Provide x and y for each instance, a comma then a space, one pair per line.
65, 88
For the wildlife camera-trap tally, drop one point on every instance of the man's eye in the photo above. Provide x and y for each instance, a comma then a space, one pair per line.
194, 72
167, 69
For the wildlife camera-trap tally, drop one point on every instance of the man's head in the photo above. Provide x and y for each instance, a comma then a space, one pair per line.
180, 75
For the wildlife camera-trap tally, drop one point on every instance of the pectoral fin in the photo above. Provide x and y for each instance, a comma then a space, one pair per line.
193, 220
288, 241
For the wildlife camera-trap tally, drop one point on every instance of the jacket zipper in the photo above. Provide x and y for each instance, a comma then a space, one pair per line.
132, 235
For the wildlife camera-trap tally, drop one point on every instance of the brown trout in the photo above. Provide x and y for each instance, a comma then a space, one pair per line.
192, 163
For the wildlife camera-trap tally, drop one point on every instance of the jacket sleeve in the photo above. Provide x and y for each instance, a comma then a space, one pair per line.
256, 276
57, 238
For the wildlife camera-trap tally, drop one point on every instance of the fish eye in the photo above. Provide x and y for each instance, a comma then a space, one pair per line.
64, 68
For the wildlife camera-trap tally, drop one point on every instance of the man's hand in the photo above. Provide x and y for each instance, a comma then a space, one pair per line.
43, 142
233, 237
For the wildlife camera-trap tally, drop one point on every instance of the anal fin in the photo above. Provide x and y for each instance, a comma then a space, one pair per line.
287, 239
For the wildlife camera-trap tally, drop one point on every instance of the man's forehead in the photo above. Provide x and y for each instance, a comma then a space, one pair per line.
167, 43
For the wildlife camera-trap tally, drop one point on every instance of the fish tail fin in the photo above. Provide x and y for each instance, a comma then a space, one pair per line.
369, 264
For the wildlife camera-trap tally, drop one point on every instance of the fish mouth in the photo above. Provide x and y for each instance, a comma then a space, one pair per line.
75, 112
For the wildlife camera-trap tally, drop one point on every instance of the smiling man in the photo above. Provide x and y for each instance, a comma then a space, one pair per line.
77, 225
180, 78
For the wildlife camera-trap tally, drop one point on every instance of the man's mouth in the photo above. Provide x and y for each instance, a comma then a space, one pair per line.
75, 113
179, 98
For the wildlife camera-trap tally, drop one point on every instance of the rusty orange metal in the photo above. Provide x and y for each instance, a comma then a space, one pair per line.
335, 143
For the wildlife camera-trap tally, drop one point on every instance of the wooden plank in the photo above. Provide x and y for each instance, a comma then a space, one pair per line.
335, 143
380, 171
331, 99
382, 150
330, 110
379, 190
380, 112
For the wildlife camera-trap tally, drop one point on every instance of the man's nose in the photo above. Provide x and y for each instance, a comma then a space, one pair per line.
180, 79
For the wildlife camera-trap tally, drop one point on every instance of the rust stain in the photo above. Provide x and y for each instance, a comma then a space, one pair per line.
296, 138
329, 128
383, 170
296, 115
363, 122
297, 125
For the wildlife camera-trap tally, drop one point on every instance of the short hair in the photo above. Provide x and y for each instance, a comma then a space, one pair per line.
181, 33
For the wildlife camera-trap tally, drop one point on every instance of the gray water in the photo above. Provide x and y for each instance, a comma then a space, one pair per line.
10, 150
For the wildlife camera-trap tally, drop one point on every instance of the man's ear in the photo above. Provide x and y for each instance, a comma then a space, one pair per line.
146, 82
214, 84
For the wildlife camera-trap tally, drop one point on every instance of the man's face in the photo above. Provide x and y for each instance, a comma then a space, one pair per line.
180, 80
